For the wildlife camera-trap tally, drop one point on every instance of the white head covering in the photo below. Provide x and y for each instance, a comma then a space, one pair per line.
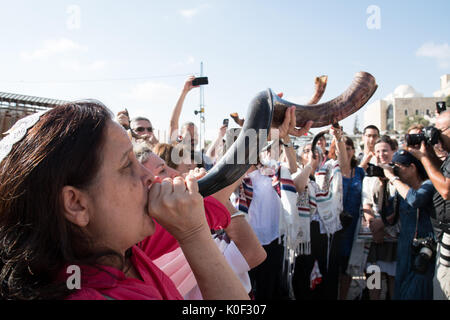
17, 132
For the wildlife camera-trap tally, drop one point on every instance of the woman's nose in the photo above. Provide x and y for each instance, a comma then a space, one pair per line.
172, 172
147, 176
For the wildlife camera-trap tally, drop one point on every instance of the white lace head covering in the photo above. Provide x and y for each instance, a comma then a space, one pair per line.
17, 132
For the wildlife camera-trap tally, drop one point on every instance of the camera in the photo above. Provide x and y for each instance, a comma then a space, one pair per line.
376, 171
423, 250
440, 106
200, 81
430, 135
225, 122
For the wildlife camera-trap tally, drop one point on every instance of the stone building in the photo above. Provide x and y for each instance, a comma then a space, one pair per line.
389, 114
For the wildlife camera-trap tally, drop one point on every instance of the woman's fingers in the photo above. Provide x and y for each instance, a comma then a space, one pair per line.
179, 186
191, 184
166, 186
293, 117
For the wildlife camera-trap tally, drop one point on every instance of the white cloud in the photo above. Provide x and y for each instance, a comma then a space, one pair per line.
189, 61
52, 48
156, 93
97, 65
65, 53
77, 65
190, 13
440, 52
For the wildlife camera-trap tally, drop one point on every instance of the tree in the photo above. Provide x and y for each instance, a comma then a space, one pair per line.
356, 130
416, 119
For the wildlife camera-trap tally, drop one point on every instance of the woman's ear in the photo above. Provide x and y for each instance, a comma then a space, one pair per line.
74, 203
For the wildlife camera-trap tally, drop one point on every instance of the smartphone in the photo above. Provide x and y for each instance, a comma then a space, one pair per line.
225, 122
200, 81
440, 106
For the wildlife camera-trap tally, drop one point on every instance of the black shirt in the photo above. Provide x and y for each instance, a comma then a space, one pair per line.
442, 206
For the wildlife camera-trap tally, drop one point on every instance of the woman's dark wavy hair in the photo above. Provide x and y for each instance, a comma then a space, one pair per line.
36, 241
348, 142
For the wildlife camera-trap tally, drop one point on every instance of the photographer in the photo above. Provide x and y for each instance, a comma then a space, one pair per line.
439, 173
383, 249
412, 203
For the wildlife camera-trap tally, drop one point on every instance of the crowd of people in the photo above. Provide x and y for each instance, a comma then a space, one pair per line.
82, 187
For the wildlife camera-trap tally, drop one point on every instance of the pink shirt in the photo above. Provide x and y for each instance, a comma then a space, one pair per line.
99, 285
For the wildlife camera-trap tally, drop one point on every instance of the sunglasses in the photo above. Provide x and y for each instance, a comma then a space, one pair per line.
142, 129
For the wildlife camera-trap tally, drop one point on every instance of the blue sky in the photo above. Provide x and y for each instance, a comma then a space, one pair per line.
137, 54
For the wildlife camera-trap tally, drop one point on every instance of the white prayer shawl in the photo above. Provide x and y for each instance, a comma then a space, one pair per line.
290, 223
305, 209
322, 197
329, 199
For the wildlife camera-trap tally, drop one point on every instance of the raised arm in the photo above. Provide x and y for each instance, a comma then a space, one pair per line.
245, 238
212, 150
432, 165
286, 128
341, 149
301, 180
176, 112
366, 160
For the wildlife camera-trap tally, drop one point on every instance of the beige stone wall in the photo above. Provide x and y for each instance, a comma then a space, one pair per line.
411, 105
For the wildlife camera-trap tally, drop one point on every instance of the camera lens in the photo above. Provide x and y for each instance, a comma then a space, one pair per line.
374, 171
414, 139
422, 259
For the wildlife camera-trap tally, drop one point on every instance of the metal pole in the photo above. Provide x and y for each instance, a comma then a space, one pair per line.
202, 110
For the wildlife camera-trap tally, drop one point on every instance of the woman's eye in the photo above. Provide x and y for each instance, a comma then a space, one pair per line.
128, 164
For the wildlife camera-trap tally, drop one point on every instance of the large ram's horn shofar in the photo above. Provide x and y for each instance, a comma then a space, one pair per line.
359, 92
320, 84
267, 110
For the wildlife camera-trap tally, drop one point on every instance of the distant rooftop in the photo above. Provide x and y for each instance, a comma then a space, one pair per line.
20, 100
16, 106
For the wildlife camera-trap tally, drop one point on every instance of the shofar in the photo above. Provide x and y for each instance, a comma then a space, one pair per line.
320, 86
267, 110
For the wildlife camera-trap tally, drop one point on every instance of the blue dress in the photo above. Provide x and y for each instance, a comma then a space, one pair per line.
352, 189
410, 285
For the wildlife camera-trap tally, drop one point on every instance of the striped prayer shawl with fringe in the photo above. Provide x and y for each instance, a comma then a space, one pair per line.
323, 196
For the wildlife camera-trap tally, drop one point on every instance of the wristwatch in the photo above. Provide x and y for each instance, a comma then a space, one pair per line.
290, 144
391, 180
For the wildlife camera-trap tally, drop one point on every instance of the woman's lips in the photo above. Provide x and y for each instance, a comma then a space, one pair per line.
157, 180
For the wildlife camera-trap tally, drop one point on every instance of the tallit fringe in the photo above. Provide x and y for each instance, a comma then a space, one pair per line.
305, 248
